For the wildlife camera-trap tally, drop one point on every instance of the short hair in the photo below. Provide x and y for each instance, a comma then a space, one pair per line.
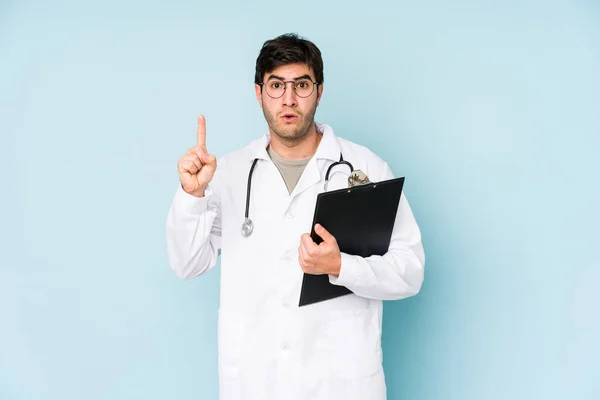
287, 49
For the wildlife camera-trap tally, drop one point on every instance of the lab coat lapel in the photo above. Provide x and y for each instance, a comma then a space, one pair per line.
310, 177
327, 152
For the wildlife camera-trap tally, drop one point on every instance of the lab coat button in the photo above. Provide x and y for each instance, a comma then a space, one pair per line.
291, 214
285, 346
286, 305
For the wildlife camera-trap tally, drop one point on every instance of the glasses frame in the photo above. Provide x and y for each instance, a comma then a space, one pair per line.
293, 86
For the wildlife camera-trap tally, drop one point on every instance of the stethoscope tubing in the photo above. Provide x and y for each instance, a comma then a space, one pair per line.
248, 226
248, 187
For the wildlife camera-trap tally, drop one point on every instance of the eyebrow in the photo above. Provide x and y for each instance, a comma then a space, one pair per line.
305, 76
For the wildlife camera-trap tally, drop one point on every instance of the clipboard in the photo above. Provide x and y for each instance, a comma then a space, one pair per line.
361, 219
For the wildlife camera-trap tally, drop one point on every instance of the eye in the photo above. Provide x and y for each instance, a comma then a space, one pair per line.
276, 85
302, 84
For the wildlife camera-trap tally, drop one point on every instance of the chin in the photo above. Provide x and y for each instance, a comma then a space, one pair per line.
286, 131
290, 133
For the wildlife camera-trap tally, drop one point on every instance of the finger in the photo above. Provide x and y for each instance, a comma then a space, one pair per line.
324, 233
209, 159
201, 133
193, 158
302, 253
300, 257
307, 243
189, 166
198, 151
301, 262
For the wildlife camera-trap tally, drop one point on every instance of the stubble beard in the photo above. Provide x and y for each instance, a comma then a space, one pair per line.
288, 132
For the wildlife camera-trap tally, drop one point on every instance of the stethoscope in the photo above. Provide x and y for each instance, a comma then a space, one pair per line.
248, 225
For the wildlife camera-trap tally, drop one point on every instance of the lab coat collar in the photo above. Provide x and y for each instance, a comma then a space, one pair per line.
328, 149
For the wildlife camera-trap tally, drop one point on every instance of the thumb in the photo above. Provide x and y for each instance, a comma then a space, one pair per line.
324, 234
208, 159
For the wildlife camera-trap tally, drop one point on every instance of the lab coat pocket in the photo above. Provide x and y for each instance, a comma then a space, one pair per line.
354, 342
230, 343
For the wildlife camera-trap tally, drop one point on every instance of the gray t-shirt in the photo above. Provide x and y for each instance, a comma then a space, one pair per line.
291, 170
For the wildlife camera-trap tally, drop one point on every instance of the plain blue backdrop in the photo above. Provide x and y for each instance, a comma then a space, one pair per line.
490, 109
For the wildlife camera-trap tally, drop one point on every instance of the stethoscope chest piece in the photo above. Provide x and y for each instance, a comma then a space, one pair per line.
247, 227
358, 178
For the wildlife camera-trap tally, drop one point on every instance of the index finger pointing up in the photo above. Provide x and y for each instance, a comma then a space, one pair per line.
201, 133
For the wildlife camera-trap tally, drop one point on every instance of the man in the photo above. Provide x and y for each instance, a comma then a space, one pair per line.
269, 348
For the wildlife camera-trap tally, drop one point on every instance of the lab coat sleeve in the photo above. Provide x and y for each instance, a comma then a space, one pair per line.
399, 272
193, 230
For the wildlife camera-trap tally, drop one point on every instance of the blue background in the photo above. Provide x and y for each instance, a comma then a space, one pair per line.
490, 109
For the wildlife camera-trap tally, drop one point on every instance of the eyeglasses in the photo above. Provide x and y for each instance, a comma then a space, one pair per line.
275, 88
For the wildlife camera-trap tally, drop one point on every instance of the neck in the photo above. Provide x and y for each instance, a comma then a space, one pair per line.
299, 149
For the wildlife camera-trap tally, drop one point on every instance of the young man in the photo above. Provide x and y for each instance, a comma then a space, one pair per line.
269, 348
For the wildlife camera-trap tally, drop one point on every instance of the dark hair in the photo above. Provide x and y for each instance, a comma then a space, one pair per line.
288, 49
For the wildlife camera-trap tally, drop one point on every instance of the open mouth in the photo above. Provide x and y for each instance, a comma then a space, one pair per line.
289, 117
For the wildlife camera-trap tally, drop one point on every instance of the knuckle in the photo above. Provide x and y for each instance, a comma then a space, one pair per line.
194, 150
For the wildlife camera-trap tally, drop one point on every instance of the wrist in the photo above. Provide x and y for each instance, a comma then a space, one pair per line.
337, 266
200, 192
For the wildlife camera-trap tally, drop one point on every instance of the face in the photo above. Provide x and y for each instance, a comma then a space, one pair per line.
290, 116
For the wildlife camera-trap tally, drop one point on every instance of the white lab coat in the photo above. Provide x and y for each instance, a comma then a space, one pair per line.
269, 348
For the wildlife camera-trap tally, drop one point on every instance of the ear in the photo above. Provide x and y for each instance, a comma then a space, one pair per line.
257, 89
319, 93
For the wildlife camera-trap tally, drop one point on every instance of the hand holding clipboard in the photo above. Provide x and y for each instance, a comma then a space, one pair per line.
361, 219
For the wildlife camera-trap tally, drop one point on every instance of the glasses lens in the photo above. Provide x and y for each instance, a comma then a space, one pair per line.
275, 88
304, 87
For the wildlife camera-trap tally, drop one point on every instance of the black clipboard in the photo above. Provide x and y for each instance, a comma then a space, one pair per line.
361, 219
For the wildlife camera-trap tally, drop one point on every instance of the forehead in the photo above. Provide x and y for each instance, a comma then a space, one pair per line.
291, 72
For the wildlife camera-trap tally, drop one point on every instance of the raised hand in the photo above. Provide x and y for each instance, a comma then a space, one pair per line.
197, 167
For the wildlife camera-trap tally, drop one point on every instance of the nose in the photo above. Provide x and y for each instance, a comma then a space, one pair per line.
290, 98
